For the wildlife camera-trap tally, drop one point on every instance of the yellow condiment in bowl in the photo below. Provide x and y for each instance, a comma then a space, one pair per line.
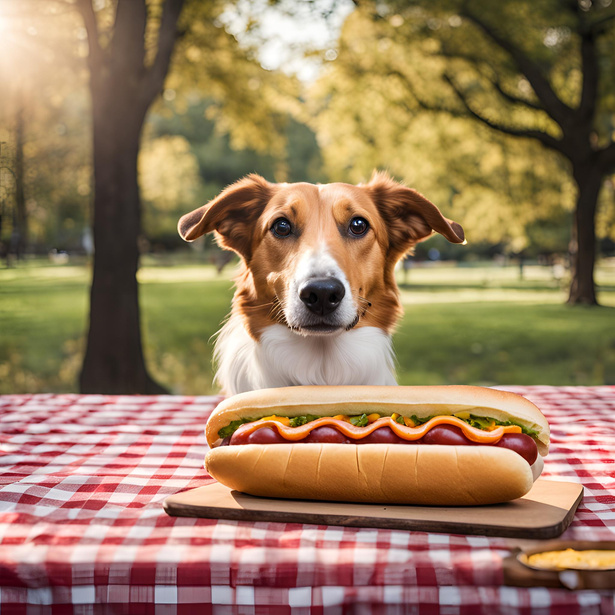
571, 559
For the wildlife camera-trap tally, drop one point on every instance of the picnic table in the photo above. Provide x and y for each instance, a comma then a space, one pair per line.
83, 479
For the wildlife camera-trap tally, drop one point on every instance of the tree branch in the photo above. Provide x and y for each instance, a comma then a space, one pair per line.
496, 83
459, 55
420, 101
598, 27
512, 98
559, 111
96, 53
128, 44
156, 74
589, 31
591, 74
545, 138
606, 158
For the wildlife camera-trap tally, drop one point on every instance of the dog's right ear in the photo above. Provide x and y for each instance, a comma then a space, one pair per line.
232, 215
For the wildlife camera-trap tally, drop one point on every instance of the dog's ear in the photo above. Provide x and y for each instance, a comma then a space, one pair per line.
410, 217
232, 214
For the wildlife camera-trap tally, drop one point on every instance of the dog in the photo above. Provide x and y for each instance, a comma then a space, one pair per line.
316, 300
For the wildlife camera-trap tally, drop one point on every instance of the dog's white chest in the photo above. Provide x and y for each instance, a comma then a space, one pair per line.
283, 358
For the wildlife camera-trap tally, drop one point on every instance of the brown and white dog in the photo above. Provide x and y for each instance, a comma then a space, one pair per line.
316, 299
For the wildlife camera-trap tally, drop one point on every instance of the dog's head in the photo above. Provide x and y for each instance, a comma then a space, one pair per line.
319, 258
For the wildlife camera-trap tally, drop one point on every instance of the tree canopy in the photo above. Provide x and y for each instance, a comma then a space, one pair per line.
386, 98
440, 92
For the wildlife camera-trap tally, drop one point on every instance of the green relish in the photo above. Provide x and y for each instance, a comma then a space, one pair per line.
480, 422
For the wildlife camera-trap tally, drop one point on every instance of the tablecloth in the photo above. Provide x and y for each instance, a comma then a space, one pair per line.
82, 527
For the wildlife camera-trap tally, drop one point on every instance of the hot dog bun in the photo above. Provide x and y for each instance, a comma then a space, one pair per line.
386, 400
380, 473
377, 473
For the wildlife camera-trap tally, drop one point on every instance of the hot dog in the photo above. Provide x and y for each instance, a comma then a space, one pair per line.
443, 445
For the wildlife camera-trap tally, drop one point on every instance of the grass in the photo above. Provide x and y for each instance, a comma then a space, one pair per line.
473, 325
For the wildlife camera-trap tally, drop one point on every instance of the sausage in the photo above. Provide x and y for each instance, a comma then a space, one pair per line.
521, 444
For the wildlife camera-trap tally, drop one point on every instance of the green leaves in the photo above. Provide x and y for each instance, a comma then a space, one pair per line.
232, 427
359, 421
482, 422
297, 421
420, 421
479, 422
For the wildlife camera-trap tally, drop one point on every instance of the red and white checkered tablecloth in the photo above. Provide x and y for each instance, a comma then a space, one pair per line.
82, 527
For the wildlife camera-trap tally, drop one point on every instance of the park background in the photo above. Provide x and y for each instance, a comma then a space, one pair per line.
119, 116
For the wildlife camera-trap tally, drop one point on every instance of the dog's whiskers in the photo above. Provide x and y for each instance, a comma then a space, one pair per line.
259, 306
276, 313
365, 305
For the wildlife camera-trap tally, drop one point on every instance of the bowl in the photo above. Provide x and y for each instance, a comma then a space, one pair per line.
520, 570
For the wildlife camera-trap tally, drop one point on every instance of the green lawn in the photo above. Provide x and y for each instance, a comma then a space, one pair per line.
479, 325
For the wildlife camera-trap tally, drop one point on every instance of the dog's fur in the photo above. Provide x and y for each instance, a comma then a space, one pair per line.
272, 338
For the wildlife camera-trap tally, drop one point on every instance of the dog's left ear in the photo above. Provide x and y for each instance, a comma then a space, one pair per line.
409, 215
232, 214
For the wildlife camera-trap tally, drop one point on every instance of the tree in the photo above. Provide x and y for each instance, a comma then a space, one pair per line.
48, 143
533, 70
21, 216
123, 86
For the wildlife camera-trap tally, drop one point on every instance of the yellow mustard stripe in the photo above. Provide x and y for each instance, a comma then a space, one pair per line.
406, 432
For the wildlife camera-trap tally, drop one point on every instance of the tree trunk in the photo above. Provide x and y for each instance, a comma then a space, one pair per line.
583, 256
114, 360
20, 219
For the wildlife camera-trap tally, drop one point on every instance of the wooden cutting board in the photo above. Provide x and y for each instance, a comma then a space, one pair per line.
545, 512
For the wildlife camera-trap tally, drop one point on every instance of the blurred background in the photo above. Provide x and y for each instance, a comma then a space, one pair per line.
119, 116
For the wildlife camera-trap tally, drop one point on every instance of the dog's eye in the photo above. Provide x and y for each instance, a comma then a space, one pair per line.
281, 227
358, 227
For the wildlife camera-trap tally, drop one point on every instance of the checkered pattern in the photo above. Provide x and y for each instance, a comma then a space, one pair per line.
82, 526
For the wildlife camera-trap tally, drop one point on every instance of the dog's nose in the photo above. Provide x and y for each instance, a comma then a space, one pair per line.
322, 295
